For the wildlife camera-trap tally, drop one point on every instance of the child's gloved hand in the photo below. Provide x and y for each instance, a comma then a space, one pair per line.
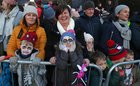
13, 60
72, 47
63, 47
36, 61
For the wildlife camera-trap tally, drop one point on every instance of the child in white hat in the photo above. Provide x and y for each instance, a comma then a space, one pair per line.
89, 42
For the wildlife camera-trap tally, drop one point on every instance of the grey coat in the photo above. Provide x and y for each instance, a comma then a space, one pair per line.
28, 74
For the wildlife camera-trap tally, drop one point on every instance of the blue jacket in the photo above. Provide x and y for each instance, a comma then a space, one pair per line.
5, 76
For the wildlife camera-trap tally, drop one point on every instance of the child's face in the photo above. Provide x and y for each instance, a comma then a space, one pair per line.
118, 61
101, 63
90, 44
68, 41
129, 57
26, 47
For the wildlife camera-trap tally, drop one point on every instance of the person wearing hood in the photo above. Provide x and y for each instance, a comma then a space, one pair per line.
68, 51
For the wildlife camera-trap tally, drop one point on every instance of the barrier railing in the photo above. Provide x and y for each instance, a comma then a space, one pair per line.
100, 73
48, 63
118, 64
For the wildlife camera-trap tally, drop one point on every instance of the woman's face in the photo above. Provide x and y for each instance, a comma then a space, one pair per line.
64, 17
4, 5
30, 19
124, 14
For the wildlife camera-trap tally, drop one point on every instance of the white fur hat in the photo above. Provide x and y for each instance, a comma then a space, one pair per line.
88, 37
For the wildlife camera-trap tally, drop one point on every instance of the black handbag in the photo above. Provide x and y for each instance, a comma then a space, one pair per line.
1, 49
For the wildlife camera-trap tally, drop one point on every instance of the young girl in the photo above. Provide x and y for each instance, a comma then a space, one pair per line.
68, 52
89, 44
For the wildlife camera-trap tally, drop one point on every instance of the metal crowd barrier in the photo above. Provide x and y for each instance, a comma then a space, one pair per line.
100, 73
118, 64
48, 63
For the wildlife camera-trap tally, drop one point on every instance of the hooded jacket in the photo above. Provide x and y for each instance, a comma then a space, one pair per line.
29, 74
14, 42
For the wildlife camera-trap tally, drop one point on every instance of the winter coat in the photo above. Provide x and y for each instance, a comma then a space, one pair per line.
48, 26
54, 38
116, 79
135, 40
7, 23
109, 31
19, 31
33, 75
62, 60
91, 25
94, 74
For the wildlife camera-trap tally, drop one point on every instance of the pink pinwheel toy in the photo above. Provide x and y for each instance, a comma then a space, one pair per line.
81, 73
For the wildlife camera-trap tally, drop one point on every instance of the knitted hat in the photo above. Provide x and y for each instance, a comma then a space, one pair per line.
30, 37
88, 4
69, 34
30, 9
119, 8
11, 2
88, 37
49, 12
115, 51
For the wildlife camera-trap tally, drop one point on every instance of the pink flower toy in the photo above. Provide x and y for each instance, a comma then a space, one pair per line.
81, 73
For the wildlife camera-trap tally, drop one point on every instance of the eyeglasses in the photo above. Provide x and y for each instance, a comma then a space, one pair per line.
67, 40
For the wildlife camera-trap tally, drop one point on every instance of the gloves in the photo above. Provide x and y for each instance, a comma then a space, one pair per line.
36, 61
63, 47
13, 60
72, 47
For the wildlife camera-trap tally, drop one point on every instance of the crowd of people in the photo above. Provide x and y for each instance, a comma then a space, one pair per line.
62, 35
